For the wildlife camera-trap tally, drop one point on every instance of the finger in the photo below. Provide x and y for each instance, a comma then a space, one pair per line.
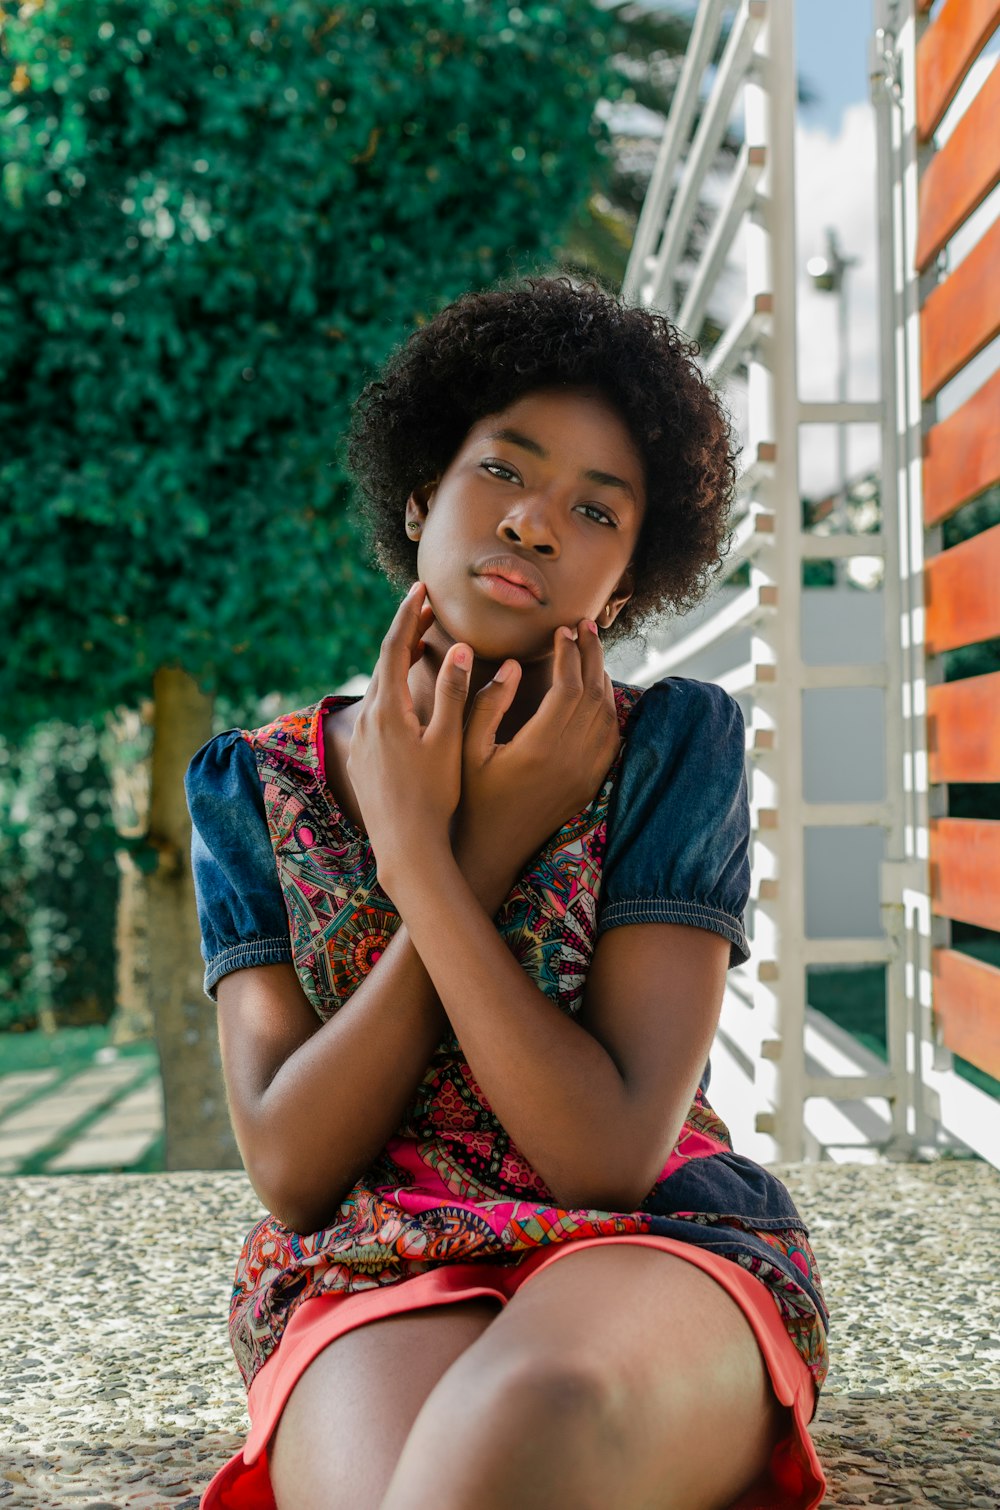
451, 690
488, 709
548, 723
424, 623
401, 637
404, 621
563, 696
598, 709
592, 667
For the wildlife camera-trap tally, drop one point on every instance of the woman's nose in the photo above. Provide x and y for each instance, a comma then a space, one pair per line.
529, 526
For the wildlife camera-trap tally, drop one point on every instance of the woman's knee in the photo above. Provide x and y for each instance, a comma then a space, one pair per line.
524, 1398
514, 1429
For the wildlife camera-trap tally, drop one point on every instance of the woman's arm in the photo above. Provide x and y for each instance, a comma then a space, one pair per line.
313, 1103
597, 1105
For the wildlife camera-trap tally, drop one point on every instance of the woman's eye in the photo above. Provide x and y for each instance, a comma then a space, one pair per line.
498, 467
599, 514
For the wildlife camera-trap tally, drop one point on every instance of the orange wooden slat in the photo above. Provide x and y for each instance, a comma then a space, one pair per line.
963, 729
961, 315
945, 52
962, 453
961, 593
965, 870
962, 174
967, 1004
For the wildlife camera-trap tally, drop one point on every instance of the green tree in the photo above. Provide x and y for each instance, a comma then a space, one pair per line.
215, 221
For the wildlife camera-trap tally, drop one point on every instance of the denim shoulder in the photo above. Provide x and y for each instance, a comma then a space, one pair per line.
678, 845
241, 909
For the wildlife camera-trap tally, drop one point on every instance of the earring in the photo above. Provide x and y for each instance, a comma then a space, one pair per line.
414, 526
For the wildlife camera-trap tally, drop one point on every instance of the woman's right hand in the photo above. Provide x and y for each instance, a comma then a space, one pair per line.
514, 796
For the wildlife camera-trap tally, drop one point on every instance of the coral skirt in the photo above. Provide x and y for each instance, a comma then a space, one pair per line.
795, 1480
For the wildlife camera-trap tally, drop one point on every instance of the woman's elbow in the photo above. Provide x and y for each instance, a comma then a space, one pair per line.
303, 1206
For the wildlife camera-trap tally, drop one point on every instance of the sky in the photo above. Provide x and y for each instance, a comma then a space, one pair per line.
832, 47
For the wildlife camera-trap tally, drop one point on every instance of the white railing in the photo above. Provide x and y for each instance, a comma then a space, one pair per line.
814, 1091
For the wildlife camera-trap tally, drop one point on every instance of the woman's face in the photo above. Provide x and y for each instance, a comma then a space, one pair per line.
550, 490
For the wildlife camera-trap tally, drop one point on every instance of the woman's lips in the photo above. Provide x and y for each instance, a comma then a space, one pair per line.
505, 591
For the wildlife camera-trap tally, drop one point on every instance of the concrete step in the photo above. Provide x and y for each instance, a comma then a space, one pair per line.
121, 1388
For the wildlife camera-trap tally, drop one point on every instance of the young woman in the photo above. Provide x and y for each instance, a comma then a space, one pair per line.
469, 936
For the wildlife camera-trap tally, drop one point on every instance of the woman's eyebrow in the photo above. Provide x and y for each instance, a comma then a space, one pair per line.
606, 479
517, 439
609, 480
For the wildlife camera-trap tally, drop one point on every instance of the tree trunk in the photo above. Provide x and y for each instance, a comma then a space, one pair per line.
127, 758
198, 1133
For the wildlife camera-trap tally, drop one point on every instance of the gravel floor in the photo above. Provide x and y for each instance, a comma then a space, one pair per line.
118, 1388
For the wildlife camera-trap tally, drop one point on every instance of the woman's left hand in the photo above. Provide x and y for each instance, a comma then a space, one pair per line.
408, 779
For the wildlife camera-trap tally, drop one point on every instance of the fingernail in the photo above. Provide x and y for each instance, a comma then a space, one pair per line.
414, 589
591, 625
504, 672
567, 634
462, 657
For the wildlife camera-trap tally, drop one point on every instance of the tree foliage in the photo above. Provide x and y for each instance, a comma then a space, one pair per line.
58, 879
215, 221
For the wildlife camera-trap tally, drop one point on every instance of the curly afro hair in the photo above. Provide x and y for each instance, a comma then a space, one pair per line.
485, 351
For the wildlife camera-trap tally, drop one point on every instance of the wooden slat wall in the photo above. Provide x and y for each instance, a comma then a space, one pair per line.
962, 174
963, 729
965, 870
945, 52
961, 315
961, 593
967, 1003
962, 453
961, 460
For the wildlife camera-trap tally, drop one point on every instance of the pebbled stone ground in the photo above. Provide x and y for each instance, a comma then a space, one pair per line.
118, 1390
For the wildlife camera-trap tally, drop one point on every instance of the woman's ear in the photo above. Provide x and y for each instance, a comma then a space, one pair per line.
617, 600
416, 509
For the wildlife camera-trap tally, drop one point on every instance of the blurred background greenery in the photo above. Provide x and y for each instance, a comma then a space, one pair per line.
216, 220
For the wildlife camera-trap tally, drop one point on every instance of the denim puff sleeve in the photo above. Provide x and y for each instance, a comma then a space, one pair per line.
241, 910
679, 823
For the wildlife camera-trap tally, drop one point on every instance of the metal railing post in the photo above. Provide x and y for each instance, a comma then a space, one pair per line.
779, 771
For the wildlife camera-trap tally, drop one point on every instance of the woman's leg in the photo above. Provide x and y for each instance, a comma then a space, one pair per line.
617, 1378
346, 1420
